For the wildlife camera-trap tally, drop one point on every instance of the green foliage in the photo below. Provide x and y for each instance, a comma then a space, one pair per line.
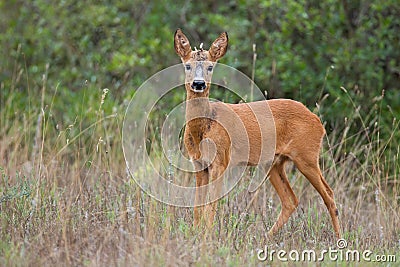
69, 68
306, 50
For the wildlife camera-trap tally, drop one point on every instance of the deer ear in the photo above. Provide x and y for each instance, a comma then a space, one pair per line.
219, 46
181, 43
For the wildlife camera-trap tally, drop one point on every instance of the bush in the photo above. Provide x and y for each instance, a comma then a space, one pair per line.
306, 50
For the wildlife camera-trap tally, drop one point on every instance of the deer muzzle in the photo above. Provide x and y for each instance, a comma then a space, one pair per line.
198, 86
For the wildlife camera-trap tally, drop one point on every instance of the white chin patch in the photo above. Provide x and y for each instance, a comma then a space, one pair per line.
198, 91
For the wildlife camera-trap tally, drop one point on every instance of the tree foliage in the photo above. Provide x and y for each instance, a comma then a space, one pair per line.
306, 50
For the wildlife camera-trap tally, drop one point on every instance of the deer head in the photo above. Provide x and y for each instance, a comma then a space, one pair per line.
199, 63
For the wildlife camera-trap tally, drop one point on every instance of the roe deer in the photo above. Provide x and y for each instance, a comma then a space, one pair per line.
299, 135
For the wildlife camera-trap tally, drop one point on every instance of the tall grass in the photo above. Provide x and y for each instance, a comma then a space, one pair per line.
66, 198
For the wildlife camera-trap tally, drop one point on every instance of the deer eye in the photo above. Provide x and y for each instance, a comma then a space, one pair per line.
187, 67
210, 68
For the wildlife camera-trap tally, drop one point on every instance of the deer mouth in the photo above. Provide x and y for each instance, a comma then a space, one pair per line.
197, 90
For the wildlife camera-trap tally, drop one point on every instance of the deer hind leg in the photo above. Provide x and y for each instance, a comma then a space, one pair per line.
289, 201
310, 168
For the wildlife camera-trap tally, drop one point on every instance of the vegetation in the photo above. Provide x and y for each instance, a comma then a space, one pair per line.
68, 70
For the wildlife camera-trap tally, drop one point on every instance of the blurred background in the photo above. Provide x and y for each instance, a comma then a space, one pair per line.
306, 50
68, 70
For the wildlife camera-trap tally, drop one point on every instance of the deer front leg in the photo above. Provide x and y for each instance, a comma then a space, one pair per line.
200, 197
215, 172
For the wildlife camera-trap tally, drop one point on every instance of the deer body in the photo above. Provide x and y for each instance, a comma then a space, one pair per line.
298, 133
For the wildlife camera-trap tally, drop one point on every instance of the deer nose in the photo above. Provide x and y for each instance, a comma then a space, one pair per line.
199, 85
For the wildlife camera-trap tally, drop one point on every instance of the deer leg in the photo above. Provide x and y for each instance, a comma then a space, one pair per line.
289, 201
200, 196
215, 172
310, 168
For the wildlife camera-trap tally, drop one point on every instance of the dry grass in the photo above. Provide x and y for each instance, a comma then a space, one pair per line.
66, 198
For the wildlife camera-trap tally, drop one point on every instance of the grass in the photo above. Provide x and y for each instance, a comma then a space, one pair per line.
66, 198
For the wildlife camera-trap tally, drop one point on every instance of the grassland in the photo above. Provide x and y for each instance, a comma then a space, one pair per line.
66, 198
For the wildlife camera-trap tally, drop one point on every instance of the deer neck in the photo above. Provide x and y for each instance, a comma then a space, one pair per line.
198, 113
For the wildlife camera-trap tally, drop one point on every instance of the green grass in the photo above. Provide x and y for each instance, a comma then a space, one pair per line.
66, 198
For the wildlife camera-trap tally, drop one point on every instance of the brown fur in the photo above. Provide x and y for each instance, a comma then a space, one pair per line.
299, 134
